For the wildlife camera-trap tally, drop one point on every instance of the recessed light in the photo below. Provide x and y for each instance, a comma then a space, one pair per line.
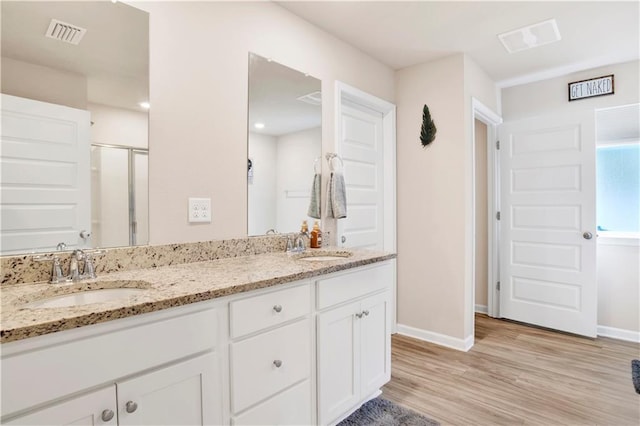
145, 105
258, 125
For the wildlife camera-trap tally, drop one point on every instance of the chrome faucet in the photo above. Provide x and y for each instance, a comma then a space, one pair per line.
299, 244
74, 267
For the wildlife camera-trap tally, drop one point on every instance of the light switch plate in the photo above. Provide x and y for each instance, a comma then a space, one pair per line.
199, 210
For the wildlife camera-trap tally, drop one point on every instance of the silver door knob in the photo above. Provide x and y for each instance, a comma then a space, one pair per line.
277, 308
587, 235
277, 363
107, 415
130, 406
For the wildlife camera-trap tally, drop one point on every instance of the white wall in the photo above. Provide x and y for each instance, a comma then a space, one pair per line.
263, 152
296, 155
618, 266
118, 126
435, 296
198, 87
43, 83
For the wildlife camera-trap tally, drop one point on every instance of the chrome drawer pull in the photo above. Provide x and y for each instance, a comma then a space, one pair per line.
277, 308
277, 363
107, 415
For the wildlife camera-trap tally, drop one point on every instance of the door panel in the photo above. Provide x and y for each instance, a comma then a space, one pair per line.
45, 175
83, 410
548, 272
376, 342
361, 147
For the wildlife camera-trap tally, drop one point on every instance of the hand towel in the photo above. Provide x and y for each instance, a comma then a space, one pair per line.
336, 197
314, 203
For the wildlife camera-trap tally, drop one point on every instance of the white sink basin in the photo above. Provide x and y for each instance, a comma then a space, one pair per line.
84, 298
321, 258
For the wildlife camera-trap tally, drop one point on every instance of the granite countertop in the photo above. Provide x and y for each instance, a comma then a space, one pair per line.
162, 287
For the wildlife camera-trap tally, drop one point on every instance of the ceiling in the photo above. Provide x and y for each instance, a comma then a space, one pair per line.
274, 90
401, 34
113, 54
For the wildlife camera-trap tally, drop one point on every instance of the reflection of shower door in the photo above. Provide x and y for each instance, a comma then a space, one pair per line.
119, 195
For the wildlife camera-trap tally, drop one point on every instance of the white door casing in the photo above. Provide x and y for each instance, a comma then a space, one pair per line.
45, 184
548, 269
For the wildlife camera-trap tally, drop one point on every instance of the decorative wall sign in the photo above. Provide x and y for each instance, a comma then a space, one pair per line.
599, 86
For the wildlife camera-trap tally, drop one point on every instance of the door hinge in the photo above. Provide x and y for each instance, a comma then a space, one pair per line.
497, 145
498, 216
498, 286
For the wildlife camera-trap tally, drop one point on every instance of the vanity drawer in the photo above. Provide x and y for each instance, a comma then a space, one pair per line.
266, 310
351, 285
291, 407
254, 373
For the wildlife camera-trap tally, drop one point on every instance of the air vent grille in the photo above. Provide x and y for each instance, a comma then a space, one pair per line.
531, 36
314, 98
65, 32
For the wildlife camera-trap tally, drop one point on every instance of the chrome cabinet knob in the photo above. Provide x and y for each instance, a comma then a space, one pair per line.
107, 415
587, 235
131, 406
277, 308
365, 313
277, 363
359, 315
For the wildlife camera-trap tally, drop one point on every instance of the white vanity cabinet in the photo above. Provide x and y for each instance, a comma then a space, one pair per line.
164, 368
271, 357
354, 339
169, 396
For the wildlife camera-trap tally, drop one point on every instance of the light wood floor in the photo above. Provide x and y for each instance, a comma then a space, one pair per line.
517, 374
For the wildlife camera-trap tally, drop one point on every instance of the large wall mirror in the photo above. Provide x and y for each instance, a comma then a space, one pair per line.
284, 146
75, 92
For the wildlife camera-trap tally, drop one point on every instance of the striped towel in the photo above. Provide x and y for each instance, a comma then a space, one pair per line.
314, 203
336, 197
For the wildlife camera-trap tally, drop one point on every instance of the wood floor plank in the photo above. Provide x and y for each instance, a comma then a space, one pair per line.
517, 375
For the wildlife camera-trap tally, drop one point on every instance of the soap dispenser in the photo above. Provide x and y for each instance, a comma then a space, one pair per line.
316, 236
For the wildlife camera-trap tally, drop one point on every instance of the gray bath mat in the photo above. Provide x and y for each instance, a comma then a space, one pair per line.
380, 412
635, 374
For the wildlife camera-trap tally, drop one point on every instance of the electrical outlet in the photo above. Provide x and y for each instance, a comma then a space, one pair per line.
199, 210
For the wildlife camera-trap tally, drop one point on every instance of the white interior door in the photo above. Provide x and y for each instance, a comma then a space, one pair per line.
548, 268
45, 182
361, 148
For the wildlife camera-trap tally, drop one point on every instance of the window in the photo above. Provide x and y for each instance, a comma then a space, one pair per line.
618, 187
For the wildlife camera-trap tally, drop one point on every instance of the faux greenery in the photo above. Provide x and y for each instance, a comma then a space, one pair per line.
428, 131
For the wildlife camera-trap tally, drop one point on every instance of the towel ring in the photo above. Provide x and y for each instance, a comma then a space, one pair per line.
330, 156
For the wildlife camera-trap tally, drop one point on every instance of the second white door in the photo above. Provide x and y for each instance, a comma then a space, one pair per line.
548, 227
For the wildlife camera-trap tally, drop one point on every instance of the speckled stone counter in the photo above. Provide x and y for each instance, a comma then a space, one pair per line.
162, 287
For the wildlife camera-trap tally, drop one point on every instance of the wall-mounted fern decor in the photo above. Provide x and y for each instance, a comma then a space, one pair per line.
428, 131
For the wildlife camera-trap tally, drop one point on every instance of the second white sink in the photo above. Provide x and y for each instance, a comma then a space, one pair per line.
84, 298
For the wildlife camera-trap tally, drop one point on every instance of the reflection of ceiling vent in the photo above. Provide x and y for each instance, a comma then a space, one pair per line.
65, 32
314, 98
531, 36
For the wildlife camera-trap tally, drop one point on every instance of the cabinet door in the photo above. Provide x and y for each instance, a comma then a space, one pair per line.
338, 361
375, 340
83, 410
187, 393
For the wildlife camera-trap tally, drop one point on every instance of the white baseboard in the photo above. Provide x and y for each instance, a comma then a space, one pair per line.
482, 309
437, 338
619, 333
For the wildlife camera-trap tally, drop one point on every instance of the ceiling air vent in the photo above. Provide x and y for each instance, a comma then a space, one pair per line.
314, 98
530, 36
65, 32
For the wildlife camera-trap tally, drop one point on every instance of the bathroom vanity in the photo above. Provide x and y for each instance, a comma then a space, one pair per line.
260, 339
